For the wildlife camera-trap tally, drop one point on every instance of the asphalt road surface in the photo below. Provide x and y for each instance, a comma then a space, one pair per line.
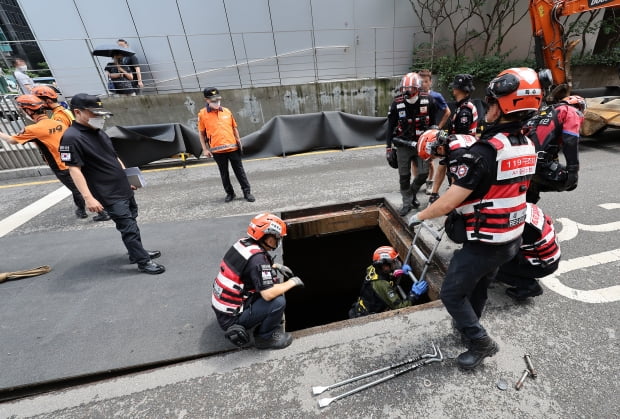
571, 331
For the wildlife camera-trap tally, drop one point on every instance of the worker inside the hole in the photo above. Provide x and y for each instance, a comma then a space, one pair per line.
381, 290
486, 206
248, 291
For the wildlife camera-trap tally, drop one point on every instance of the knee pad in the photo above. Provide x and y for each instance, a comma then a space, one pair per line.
237, 335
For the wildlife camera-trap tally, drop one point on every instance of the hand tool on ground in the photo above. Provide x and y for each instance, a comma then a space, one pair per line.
530, 366
519, 383
414, 363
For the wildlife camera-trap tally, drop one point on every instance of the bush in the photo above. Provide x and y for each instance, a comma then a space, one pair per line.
481, 68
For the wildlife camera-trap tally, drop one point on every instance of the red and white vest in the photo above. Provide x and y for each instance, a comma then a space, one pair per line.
228, 293
461, 141
545, 250
474, 112
499, 216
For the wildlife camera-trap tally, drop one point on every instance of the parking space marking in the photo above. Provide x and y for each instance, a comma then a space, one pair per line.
26, 214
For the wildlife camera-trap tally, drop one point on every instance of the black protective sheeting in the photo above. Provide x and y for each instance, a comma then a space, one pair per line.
290, 134
143, 144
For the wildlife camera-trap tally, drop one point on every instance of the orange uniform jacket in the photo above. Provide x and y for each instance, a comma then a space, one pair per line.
63, 115
46, 133
218, 125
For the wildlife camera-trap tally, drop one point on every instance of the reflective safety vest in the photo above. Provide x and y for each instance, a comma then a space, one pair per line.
545, 250
228, 293
411, 126
499, 216
474, 120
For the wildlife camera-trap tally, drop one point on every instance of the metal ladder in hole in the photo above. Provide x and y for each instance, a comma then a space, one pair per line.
437, 234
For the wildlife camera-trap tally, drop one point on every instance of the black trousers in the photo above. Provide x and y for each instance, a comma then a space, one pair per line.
124, 213
234, 157
464, 290
65, 178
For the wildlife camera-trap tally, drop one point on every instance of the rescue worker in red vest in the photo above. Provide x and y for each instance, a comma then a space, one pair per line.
554, 128
411, 113
487, 192
380, 290
248, 291
539, 256
464, 121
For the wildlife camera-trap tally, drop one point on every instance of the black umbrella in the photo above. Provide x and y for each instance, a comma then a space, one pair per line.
110, 50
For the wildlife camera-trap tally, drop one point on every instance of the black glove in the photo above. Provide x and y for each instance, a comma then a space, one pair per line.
572, 178
297, 281
284, 270
433, 197
390, 156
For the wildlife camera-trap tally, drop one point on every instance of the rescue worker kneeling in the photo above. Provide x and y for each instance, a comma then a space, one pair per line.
538, 256
380, 290
248, 291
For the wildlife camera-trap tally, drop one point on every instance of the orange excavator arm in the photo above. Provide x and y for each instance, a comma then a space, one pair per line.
551, 51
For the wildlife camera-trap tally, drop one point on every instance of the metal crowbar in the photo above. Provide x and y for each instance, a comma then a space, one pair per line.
416, 362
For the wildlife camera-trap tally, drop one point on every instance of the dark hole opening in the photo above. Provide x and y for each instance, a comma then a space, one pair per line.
333, 268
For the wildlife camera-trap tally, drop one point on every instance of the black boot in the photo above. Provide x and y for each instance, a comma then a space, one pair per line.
522, 294
278, 340
478, 350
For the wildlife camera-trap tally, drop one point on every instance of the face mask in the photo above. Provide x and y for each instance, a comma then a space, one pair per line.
22, 68
96, 123
215, 105
412, 100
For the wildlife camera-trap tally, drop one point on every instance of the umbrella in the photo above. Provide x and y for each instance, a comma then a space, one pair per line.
110, 50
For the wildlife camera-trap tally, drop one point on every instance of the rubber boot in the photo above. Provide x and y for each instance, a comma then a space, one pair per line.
478, 350
278, 340
407, 206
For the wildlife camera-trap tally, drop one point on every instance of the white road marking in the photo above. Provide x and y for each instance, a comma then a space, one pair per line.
24, 215
611, 205
601, 295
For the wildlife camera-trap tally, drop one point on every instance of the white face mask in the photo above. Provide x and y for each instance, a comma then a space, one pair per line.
22, 68
412, 100
215, 105
97, 122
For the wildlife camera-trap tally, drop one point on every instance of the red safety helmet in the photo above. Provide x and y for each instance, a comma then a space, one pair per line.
29, 102
576, 101
44, 91
429, 141
384, 254
264, 224
410, 84
516, 90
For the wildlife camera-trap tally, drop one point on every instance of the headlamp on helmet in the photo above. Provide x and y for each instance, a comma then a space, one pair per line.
515, 90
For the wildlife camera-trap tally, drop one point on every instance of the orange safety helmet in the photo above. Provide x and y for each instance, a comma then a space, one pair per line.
384, 254
29, 102
576, 101
44, 91
264, 224
410, 84
429, 141
516, 90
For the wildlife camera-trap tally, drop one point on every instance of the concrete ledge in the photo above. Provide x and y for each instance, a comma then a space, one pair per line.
25, 172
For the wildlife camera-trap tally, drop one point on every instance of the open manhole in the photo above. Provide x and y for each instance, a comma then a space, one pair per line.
330, 247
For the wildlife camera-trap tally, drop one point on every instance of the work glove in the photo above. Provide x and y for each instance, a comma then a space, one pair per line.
284, 270
418, 288
297, 281
414, 221
433, 197
406, 269
572, 178
390, 156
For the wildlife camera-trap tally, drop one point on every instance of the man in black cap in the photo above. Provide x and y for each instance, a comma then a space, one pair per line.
464, 121
219, 137
100, 177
